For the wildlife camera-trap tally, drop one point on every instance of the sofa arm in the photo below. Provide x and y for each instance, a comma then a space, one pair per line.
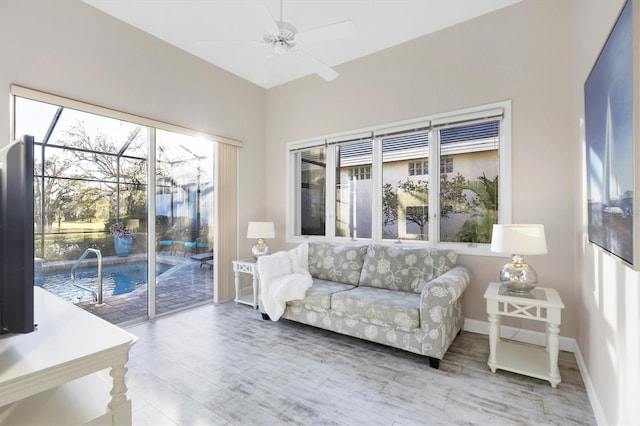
439, 294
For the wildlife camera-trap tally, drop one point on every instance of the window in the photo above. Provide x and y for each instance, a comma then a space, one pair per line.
360, 173
387, 186
311, 190
353, 189
469, 193
405, 213
417, 168
446, 165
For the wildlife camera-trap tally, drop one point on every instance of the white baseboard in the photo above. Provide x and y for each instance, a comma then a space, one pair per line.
517, 334
535, 337
591, 391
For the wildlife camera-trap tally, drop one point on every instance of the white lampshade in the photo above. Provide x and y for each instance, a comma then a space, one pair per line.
519, 239
261, 230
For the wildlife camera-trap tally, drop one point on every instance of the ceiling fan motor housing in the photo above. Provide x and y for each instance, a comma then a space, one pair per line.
284, 40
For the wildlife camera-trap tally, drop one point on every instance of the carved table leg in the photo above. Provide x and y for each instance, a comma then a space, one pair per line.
554, 346
494, 334
119, 389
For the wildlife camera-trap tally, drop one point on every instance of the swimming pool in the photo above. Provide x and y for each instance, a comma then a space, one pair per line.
116, 279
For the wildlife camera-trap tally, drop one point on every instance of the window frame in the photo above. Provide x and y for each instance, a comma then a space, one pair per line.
423, 165
488, 112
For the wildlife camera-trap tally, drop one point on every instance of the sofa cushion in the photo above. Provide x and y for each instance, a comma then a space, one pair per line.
389, 308
336, 262
404, 268
318, 296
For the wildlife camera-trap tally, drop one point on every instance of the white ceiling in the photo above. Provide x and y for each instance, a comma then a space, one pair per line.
227, 33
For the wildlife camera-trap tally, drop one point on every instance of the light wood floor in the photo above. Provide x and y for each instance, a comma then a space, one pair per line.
222, 364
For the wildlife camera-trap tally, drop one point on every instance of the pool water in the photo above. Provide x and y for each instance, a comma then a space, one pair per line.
116, 279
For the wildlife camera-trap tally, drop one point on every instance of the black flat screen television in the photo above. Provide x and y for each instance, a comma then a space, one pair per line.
16, 237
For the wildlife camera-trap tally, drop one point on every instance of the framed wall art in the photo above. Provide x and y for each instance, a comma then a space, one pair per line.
611, 134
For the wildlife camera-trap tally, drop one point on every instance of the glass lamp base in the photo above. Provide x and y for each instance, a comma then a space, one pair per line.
260, 249
517, 276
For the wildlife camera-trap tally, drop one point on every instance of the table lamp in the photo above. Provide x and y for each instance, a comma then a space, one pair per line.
260, 230
518, 240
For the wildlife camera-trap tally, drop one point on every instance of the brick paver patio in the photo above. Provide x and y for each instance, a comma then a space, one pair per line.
183, 285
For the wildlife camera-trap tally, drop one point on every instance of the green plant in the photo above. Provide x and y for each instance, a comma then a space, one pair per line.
479, 227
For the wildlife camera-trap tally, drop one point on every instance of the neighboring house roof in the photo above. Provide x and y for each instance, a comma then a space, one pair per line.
454, 140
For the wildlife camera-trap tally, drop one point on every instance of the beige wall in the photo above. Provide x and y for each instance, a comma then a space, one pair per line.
538, 54
71, 49
608, 293
518, 53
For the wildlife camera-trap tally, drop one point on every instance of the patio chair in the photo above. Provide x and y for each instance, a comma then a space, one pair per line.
166, 244
189, 246
204, 258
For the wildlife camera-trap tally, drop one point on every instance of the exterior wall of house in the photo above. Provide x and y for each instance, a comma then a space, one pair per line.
471, 165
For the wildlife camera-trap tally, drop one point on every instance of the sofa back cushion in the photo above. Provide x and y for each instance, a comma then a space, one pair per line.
404, 268
336, 262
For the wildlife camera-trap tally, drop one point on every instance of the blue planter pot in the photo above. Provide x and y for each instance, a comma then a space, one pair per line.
122, 245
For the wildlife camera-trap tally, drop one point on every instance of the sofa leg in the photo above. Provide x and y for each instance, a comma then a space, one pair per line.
265, 316
434, 362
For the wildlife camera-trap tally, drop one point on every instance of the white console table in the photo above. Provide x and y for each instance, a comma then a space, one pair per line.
46, 376
541, 304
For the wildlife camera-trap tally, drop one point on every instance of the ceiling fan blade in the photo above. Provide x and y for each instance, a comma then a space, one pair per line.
339, 30
206, 43
266, 20
317, 66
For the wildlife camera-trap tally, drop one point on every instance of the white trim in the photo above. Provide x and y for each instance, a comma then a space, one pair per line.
37, 95
350, 137
504, 157
598, 412
406, 124
472, 114
519, 334
151, 223
567, 344
330, 194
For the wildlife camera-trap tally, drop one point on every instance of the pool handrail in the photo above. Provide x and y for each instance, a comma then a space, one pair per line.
96, 297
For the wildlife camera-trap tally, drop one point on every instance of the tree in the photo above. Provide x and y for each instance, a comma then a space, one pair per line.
389, 205
97, 159
58, 192
411, 200
452, 198
414, 202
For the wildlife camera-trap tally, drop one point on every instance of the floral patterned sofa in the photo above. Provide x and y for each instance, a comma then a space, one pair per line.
405, 297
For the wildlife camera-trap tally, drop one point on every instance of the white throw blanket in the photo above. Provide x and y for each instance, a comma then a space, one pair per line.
284, 276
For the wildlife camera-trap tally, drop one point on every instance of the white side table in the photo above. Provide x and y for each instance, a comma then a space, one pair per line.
247, 266
541, 304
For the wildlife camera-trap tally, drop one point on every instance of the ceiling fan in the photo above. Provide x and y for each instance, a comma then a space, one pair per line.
284, 39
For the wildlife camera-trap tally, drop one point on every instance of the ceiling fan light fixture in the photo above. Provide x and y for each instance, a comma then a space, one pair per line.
280, 48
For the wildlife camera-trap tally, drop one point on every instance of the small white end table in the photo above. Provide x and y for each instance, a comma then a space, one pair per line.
247, 266
541, 304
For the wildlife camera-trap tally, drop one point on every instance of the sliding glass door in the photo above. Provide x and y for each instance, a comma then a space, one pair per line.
153, 236
184, 206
